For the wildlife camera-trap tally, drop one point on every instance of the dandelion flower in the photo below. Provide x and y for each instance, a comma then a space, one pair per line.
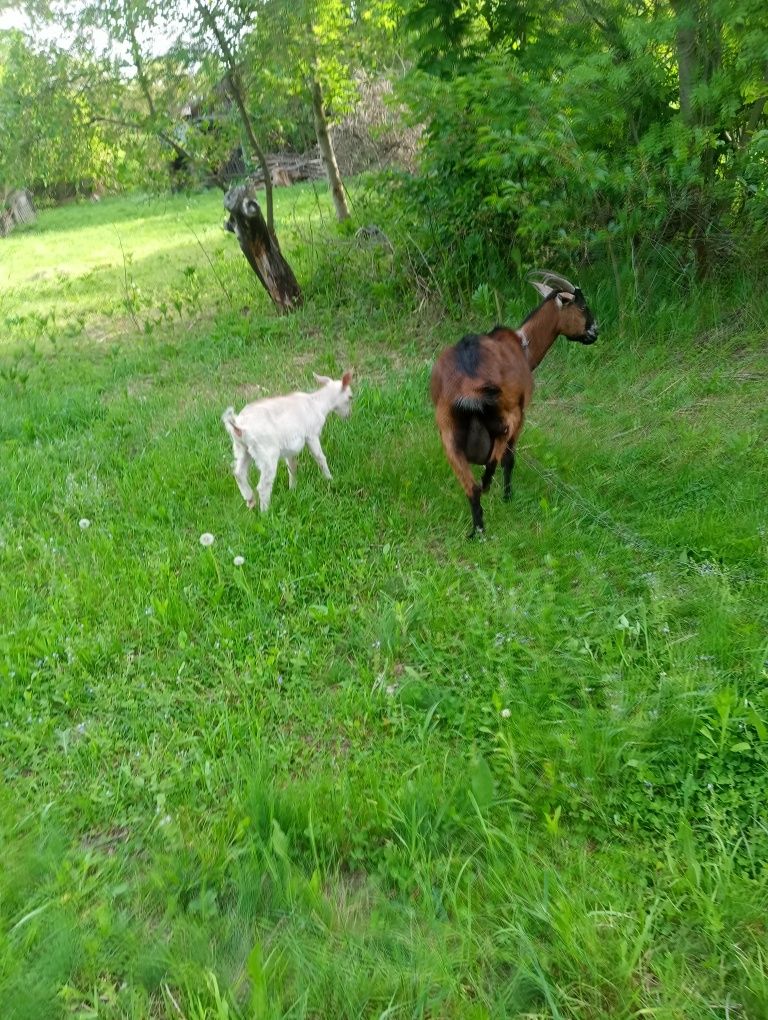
505, 713
207, 538
84, 523
239, 561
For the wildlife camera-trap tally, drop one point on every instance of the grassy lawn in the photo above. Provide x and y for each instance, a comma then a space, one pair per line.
377, 770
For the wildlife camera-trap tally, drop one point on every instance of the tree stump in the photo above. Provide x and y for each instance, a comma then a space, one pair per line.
19, 209
260, 247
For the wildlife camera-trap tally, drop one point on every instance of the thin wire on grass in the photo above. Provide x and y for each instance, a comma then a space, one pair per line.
602, 518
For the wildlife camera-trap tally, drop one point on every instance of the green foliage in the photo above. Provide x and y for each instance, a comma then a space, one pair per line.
589, 132
51, 144
374, 768
294, 42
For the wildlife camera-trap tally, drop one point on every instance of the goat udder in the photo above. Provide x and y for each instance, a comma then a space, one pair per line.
477, 445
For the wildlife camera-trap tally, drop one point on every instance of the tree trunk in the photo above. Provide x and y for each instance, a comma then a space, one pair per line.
258, 245
698, 42
238, 94
686, 57
327, 153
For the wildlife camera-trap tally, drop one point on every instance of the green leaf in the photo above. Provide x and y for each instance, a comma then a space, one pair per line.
481, 782
257, 974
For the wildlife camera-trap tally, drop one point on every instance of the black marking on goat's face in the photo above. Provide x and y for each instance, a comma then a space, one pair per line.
468, 354
588, 331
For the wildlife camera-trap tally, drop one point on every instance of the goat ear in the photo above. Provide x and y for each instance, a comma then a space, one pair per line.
565, 298
346, 379
542, 288
323, 380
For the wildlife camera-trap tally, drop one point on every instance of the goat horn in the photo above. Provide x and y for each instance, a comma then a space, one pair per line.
551, 279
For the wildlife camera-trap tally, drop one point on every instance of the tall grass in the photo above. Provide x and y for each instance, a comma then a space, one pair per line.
376, 770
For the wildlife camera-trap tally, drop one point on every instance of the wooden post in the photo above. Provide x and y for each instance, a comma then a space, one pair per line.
260, 247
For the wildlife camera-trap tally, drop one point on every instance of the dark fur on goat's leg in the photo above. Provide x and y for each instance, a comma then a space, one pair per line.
477, 512
508, 463
490, 471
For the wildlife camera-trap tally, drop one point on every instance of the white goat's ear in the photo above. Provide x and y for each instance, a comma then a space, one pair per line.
565, 297
323, 380
346, 379
542, 288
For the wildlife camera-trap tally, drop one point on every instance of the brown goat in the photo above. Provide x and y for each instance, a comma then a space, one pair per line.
482, 385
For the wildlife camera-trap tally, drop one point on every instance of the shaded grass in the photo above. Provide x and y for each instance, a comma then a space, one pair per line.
377, 770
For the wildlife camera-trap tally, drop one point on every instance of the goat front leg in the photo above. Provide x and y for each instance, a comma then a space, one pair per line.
463, 471
317, 452
240, 469
293, 466
515, 427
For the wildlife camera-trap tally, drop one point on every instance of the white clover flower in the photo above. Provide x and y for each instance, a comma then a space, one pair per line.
505, 713
391, 689
84, 523
207, 538
239, 561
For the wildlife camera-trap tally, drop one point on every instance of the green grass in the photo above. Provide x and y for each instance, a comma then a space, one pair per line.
377, 771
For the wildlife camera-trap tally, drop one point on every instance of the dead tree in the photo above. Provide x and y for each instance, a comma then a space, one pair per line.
260, 247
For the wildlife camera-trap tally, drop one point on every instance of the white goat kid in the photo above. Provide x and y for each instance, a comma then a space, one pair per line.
276, 427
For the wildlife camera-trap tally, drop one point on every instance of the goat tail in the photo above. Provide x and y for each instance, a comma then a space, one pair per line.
228, 420
480, 401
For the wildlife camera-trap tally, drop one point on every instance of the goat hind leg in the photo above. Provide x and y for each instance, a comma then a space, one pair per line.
490, 471
240, 470
461, 468
266, 481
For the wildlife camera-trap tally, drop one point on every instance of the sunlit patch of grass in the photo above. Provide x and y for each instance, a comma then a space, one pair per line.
374, 769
